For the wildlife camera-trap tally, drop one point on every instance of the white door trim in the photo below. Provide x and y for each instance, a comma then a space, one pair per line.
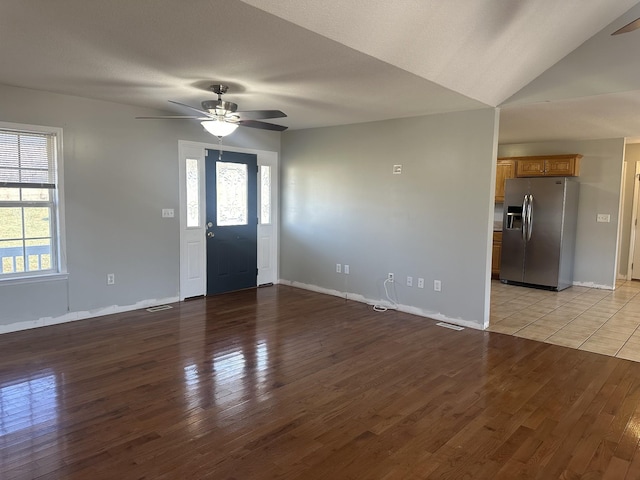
193, 260
634, 216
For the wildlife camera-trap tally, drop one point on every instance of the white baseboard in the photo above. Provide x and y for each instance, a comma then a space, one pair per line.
438, 317
75, 316
594, 285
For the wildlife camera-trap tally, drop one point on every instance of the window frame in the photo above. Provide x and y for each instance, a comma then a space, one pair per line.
56, 201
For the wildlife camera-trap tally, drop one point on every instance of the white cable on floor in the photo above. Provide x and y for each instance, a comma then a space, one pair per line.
381, 308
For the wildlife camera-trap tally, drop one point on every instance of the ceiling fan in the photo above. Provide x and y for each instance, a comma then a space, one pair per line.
221, 118
629, 27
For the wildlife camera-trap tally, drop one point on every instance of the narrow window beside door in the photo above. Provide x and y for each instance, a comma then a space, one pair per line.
193, 193
265, 194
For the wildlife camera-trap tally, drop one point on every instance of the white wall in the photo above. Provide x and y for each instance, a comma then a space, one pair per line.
600, 192
342, 204
119, 173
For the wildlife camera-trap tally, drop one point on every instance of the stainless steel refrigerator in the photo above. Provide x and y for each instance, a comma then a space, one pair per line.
539, 232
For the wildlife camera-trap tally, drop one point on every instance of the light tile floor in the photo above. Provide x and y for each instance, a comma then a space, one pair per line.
601, 321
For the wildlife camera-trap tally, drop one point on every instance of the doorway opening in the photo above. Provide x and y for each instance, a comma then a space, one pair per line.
633, 266
194, 222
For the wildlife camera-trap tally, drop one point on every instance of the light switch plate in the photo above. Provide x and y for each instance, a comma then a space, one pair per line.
603, 218
397, 169
168, 213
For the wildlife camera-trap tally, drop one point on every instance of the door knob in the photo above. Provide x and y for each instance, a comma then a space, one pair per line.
210, 234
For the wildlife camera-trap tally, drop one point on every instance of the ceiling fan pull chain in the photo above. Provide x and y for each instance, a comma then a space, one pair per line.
220, 149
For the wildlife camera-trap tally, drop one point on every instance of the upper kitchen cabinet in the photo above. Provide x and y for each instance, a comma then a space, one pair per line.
506, 169
548, 166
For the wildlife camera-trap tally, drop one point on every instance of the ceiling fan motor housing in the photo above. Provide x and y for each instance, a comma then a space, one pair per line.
219, 107
219, 89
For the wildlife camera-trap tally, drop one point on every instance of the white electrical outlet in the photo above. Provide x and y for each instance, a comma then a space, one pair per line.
437, 285
338, 268
111, 278
390, 276
420, 282
603, 218
346, 269
168, 213
409, 281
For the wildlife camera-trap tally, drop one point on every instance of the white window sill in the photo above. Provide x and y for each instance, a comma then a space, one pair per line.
52, 277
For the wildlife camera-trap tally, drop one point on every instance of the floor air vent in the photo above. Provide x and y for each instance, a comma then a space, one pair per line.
448, 325
158, 308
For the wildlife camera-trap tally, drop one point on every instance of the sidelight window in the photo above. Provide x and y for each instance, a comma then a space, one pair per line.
193, 193
265, 194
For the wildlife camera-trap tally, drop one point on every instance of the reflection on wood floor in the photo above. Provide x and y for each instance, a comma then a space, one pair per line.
284, 383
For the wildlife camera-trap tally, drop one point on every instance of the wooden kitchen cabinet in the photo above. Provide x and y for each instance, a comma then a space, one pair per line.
530, 167
548, 166
564, 166
506, 169
497, 252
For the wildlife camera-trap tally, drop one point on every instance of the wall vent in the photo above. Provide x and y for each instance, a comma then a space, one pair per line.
158, 308
448, 325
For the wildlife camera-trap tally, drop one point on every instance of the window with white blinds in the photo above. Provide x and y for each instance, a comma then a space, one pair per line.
29, 243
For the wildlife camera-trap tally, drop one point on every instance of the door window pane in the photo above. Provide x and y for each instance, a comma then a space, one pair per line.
265, 194
193, 193
231, 190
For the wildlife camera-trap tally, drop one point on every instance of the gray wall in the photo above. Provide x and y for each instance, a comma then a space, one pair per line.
600, 192
342, 204
118, 174
631, 157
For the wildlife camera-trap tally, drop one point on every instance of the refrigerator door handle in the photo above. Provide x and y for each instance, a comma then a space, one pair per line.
530, 217
524, 218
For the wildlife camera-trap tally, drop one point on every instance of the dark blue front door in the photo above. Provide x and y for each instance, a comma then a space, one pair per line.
232, 221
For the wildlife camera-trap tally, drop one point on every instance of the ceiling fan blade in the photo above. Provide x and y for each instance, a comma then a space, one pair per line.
192, 108
629, 27
259, 114
262, 125
180, 117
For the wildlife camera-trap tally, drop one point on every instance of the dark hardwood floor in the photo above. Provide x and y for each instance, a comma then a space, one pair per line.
283, 383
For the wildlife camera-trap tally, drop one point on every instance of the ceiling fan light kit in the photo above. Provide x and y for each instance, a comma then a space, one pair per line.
219, 128
221, 118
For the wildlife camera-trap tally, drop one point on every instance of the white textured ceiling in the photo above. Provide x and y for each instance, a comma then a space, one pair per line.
552, 66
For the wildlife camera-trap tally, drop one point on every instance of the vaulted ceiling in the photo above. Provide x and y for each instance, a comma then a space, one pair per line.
552, 67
